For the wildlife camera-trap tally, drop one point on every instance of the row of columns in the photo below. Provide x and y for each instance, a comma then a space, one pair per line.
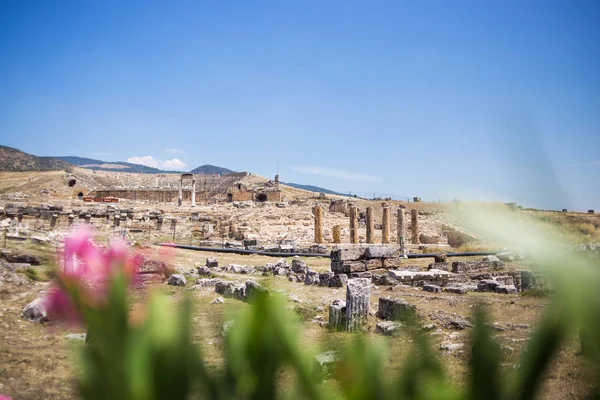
180, 196
370, 225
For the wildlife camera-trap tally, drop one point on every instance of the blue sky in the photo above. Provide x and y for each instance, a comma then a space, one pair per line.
490, 100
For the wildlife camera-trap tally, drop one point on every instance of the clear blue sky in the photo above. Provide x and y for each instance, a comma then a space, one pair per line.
493, 100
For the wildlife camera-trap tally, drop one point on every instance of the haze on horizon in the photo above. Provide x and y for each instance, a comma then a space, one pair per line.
493, 100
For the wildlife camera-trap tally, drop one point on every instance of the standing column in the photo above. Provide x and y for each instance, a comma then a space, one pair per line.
400, 227
353, 225
336, 234
385, 226
193, 193
180, 196
415, 226
318, 213
370, 226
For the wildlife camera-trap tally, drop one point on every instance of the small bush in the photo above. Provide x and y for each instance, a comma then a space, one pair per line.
537, 293
32, 274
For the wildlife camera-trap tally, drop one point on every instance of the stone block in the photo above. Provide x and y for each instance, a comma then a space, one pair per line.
350, 254
395, 309
468, 266
487, 285
372, 252
506, 289
348, 267
432, 288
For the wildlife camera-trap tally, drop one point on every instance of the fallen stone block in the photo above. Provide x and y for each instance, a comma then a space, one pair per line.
455, 289
442, 266
325, 277
395, 309
505, 280
506, 289
468, 266
491, 258
432, 288
387, 328
487, 285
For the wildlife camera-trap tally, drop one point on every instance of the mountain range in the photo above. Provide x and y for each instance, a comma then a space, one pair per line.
15, 160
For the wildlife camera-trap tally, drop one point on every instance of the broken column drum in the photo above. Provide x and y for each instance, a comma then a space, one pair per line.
353, 225
357, 303
336, 234
400, 227
53, 220
415, 226
385, 226
159, 222
370, 226
318, 213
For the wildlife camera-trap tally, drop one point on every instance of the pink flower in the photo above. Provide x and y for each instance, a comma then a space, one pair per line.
4, 397
87, 270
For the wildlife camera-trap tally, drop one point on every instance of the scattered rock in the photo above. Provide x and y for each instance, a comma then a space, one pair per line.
76, 336
204, 270
218, 300
177, 280
36, 311
429, 327
293, 298
387, 328
299, 266
211, 262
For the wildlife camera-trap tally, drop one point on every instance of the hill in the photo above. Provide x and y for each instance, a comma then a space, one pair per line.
120, 166
211, 169
315, 189
14, 160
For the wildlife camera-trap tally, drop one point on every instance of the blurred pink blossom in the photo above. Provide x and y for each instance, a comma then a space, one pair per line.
87, 269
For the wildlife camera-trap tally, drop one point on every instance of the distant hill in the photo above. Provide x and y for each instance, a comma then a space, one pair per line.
117, 166
211, 169
315, 189
16, 160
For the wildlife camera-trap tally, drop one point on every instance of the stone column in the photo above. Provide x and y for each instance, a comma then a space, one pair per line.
400, 227
357, 303
88, 218
336, 234
415, 226
159, 222
385, 225
370, 226
318, 213
353, 225
71, 217
117, 220
180, 196
53, 220
193, 193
